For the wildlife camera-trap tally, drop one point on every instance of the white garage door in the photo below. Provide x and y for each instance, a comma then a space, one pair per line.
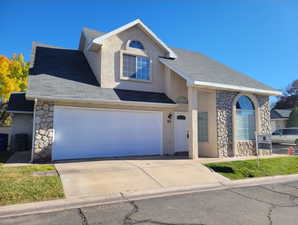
88, 133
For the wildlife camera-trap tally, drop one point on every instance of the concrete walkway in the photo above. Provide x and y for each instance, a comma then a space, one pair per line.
109, 177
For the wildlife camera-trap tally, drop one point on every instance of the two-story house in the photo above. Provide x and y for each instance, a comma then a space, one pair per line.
126, 93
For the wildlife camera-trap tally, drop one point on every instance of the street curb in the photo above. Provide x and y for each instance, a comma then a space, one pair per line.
66, 204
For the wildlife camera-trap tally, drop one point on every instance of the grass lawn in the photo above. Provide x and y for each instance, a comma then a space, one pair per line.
249, 168
18, 185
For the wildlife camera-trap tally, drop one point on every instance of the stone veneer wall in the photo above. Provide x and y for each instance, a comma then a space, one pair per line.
265, 123
224, 106
43, 134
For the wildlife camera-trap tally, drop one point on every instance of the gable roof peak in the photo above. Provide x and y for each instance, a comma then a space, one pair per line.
137, 22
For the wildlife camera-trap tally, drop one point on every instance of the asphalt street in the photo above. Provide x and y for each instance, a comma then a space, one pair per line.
274, 204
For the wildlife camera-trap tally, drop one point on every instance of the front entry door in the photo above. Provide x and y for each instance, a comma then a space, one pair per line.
181, 132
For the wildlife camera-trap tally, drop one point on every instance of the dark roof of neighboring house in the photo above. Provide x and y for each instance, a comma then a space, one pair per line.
18, 103
65, 74
199, 67
280, 113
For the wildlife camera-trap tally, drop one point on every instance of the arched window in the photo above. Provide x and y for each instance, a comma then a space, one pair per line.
136, 44
245, 119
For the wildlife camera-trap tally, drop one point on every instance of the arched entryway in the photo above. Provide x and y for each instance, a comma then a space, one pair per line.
245, 124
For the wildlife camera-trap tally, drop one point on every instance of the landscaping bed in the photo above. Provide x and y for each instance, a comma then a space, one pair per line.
249, 168
20, 185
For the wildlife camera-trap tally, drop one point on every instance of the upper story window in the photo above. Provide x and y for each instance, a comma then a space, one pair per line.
245, 119
136, 67
136, 44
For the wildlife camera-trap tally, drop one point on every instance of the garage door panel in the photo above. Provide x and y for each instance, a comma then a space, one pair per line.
82, 133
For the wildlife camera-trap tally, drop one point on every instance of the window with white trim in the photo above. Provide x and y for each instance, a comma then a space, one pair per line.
136, 44
245, 119
136, 67
203, 126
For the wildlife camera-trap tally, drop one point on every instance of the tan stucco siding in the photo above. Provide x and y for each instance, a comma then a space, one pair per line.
207, 103
111, 62
94, 61
168, 133
175, 86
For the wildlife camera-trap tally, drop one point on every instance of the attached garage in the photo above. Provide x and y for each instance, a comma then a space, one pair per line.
91, 133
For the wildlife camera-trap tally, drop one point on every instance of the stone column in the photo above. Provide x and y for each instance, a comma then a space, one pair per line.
43, 134
193, 151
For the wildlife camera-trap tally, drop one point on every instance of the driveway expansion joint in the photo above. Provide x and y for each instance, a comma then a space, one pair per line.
148, 174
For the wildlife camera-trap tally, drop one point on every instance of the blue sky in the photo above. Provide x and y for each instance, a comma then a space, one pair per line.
256, 37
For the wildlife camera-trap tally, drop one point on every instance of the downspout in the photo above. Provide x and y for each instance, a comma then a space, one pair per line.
33, 131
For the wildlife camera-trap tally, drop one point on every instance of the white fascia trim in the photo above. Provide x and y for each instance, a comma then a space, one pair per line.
236, 88
99, 40
110, 102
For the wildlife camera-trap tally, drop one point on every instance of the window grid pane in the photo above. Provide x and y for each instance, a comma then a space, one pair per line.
129, 66
203, 126
136, 67
246, 125
143, 65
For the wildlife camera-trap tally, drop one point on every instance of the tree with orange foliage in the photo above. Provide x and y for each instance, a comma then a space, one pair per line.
13, 78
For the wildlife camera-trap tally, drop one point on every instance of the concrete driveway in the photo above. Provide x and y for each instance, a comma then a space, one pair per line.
108, 177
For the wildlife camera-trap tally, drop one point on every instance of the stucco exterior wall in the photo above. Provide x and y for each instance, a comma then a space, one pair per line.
94, 61
207, 103
111, 65
175, 86
43, 131
22, 124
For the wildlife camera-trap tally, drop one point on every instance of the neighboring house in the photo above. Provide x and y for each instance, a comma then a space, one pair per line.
279, 118
126, 93
22, 117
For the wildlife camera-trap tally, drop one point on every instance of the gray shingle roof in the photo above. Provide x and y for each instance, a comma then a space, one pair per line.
198, 67
92, 34
18, 103
280, 113
65, 74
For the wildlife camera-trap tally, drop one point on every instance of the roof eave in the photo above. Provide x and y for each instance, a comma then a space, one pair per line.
236, 88
19, 112
98, 101
93, 45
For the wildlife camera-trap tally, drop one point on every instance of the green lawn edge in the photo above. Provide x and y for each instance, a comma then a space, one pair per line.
242, 169
18, 185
